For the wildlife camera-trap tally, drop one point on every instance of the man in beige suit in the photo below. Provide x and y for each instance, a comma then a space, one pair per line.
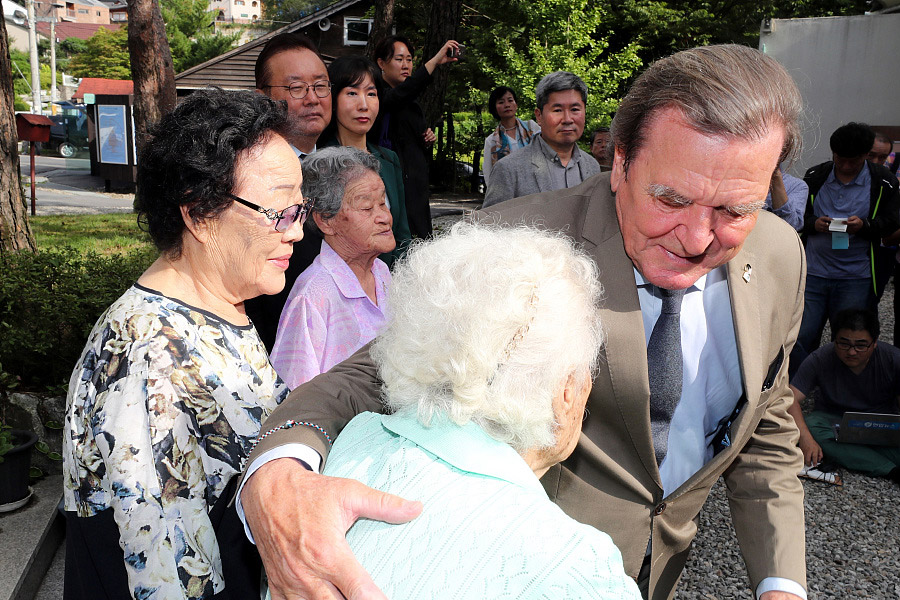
696, 142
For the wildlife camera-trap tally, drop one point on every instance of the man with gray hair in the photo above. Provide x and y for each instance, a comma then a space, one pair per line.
553, 161
704, 297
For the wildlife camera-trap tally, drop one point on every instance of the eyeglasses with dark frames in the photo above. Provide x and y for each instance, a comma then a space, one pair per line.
284, 219
859, 346
299, 89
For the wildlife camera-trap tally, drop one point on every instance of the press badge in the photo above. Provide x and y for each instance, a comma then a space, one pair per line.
840, 240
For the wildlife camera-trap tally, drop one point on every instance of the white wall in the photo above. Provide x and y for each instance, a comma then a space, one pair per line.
18, 32
847, 70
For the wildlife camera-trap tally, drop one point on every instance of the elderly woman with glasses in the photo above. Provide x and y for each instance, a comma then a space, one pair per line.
169, 393
486, 358
337, 304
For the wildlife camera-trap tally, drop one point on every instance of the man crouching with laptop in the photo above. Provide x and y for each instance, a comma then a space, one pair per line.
856, 374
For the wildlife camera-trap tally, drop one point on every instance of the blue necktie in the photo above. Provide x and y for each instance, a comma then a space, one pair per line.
664, 367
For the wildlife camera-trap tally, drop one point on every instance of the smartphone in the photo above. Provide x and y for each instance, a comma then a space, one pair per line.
456, 52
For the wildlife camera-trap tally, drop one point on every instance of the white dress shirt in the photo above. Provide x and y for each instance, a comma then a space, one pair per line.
711, 384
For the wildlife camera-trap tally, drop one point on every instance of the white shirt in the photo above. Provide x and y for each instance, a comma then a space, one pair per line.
711, 383
300, 153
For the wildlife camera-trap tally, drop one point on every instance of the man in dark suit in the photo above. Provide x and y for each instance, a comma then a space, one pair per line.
683, 249
289, 68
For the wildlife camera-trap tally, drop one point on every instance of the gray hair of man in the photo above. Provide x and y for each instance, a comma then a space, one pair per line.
328, 172
486, 325
725, 91
558, 81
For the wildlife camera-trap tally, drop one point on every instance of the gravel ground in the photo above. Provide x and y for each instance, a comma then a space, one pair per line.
852, 532
852, 535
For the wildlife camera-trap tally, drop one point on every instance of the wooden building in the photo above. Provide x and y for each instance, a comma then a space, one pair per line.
338, 28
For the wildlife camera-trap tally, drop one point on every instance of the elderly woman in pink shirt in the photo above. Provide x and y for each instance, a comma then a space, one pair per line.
337, 304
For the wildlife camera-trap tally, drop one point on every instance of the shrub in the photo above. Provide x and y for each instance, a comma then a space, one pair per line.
49, 302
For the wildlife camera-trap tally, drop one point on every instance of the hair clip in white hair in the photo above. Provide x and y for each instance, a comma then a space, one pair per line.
521, 331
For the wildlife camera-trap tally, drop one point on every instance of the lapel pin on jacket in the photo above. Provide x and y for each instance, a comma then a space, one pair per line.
747, 271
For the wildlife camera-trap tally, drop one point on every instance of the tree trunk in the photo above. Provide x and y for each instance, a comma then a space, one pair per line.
443, 24
151, 66
476, 157
382, 25
15, 232
450, 158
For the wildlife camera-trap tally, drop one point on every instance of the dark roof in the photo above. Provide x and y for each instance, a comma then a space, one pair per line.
95, 85
82, 31
238, 74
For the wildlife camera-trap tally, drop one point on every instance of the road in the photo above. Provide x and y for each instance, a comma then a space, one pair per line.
66, 186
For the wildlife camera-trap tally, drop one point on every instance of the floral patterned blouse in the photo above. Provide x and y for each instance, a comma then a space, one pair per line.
162, 410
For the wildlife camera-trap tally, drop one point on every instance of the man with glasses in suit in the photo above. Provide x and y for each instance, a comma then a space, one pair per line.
289, 68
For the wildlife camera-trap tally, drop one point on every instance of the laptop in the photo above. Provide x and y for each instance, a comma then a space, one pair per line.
874, 429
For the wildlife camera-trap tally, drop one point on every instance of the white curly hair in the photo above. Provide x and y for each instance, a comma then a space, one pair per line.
487, 324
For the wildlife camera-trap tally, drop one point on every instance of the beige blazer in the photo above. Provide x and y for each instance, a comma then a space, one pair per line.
611, 481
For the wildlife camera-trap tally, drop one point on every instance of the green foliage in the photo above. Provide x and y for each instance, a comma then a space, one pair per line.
468, 138
527, 40
282, 12
113, 233
189, 28
68, 49
72, 46
661, 27
205, 47
106, 56
50, 300
44, 449
22, 86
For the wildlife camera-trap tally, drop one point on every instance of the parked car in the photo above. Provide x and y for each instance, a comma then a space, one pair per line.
68, 134
464, 171
443, 173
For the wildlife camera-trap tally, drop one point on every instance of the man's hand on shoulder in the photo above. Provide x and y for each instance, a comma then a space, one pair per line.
299, 520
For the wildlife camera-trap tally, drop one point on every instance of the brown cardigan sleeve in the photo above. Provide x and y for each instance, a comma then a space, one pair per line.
329, 401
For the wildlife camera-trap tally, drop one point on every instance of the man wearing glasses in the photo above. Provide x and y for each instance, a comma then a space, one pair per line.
854, 373
289, 68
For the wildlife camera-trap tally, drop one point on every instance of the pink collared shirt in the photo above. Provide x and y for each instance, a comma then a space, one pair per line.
327, 317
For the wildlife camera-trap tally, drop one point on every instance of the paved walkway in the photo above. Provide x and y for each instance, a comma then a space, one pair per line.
66, 186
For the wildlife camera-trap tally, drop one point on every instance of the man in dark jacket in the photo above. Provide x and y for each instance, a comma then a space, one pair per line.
852, 204
289, 68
